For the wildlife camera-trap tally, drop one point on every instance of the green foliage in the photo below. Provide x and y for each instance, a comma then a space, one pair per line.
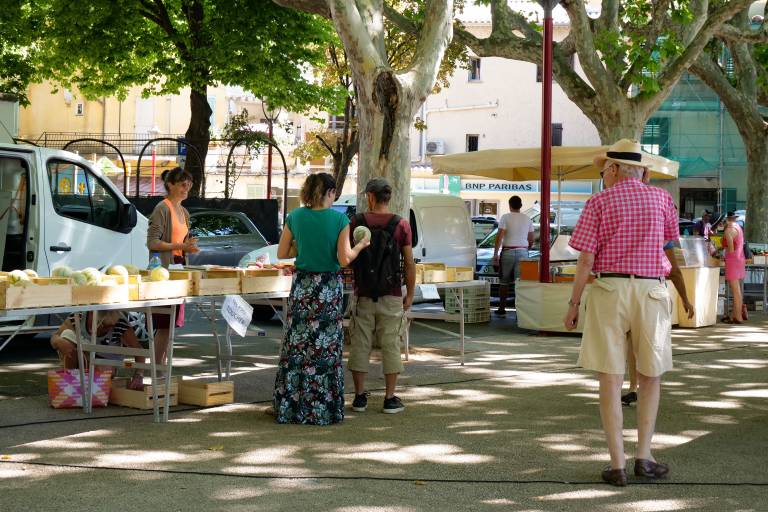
19, 27
313, 149
238, 129
637, 54
105, 47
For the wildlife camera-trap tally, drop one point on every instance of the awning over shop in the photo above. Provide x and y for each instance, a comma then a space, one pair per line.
524, 164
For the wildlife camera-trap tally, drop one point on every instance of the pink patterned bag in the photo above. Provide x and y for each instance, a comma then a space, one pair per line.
64, 388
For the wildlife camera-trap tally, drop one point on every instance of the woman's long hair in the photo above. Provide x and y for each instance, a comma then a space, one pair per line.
315, 187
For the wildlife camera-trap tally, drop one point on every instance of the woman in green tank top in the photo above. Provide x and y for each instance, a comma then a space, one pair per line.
309, 387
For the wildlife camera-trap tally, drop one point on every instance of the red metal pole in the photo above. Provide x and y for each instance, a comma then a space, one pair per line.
153, 169
546, 144
269, 163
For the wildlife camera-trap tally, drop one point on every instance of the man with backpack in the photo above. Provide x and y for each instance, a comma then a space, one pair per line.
379, 312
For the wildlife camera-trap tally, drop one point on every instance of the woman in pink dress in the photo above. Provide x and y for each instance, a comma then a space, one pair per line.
733, 250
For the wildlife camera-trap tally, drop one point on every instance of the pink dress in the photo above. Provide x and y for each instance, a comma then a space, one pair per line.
734, 261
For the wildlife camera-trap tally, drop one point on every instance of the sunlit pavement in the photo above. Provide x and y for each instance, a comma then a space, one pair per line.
516, 428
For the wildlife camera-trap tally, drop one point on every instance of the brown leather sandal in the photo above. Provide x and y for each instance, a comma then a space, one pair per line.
615, 477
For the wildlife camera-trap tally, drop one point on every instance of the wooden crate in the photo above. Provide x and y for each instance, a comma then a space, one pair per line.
458, 274
111, 290
216, 282
434, 273
121, 395
206, 394
41, 292
265, 280
177, 285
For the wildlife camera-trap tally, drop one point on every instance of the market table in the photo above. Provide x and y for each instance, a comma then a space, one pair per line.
226, 356
146, 306
457, 290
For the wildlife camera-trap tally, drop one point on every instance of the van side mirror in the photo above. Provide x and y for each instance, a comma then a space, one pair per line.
128, 218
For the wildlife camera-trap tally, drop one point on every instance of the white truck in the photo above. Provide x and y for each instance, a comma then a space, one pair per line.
57, 209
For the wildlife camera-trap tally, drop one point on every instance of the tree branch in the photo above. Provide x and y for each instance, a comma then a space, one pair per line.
325, 144
356, 35
730, 33
436, 35
584, 42
311, 6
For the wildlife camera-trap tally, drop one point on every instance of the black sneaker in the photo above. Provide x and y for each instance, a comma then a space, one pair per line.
393, 405
360, 402
629, 398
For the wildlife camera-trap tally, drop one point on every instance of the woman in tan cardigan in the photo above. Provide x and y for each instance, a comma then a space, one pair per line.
168, 235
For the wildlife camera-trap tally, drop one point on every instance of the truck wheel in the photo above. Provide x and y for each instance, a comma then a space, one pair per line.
262, 313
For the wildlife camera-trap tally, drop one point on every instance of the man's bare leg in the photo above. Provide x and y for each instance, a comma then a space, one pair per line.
647, 409
612, 416
390, 380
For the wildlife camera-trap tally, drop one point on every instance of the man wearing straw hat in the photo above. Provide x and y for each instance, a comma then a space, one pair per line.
621, 235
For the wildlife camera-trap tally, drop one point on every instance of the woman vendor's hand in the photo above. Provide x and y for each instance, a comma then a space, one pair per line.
190, 246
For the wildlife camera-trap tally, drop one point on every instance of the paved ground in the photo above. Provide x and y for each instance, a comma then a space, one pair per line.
517, 428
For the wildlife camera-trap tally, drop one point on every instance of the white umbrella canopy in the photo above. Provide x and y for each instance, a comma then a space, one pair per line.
524, 164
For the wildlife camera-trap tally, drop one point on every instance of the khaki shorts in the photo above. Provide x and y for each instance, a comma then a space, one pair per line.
383, 321
617, 306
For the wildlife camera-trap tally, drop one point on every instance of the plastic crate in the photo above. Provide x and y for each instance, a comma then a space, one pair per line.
476, 317
470, 303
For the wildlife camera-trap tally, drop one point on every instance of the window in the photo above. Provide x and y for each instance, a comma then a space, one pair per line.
557, 134
336, 122
655, 138
217, 225
473, 142
81, 195
540, 69
474, 69
79, 109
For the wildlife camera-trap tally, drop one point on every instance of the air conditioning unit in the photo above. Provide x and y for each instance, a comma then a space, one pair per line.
436, 147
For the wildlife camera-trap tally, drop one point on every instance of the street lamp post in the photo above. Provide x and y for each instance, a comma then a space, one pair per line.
546, 140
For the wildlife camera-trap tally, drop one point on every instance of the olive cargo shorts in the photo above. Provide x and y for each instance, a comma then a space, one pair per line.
383, 321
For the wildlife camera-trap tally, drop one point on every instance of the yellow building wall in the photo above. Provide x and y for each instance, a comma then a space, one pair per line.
50, 111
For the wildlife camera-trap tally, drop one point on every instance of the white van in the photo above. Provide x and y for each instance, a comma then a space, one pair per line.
56, 209
441, 227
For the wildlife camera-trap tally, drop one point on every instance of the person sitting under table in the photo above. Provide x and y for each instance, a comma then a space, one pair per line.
113, 328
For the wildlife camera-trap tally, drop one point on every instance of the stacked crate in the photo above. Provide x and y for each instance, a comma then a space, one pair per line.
477, 303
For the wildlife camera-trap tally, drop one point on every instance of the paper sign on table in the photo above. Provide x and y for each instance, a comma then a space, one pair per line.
237, 312
429, 291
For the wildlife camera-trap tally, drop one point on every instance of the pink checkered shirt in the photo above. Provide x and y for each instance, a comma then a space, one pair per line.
625, 227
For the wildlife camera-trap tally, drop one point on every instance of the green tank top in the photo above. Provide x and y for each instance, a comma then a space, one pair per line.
316, 233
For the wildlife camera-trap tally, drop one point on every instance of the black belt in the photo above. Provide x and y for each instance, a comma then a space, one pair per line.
627, 276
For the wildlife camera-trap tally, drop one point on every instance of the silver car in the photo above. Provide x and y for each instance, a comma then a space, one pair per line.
224, 237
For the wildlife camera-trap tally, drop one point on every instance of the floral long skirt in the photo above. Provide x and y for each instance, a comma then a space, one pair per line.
309, 387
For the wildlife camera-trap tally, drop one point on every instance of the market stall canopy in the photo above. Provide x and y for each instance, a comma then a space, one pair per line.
524, 164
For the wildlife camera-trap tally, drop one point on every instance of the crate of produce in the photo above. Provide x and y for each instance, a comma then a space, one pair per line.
142, 288
217, 281
38, 293
458, 274
432, 272
121, 395
206, 394
110, 290
265, 280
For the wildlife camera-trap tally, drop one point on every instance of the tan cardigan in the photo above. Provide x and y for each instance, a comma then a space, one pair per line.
160, 229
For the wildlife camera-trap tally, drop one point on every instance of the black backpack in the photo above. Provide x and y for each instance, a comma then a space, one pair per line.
377, 268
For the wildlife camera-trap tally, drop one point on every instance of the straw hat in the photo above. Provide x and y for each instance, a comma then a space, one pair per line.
624, 151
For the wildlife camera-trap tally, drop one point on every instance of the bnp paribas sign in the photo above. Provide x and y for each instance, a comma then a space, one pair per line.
499, 186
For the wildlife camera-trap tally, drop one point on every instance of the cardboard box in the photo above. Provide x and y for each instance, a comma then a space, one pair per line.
40, 292
206, 394
216, 281
458, 274
265, 280
177, 285
121, 395
111, 290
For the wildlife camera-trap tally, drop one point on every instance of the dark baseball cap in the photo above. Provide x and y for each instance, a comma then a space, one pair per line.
378, 185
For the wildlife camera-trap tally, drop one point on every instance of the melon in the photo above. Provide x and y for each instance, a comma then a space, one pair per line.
18, 278
61, 271
78, 278
92, 276
133, 270
30, 272
117, 270
159, 274
360, 233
